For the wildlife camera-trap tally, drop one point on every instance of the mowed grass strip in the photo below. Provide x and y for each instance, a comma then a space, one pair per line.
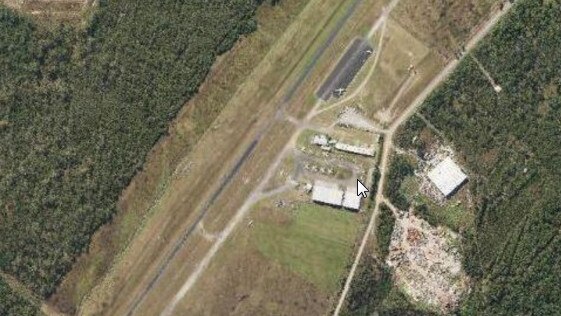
315, 243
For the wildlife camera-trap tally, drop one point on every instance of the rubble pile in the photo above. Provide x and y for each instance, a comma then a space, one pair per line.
351, 117
427, 264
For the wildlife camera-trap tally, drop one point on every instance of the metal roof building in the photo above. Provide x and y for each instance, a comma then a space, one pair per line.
365, 151
351, 199
327, 193
447, 176
320, 140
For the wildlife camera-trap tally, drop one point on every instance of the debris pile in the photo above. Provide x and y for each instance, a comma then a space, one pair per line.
351, 117
427, 263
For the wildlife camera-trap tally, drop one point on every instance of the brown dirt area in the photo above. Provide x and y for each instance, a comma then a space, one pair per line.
443, 24
52, 10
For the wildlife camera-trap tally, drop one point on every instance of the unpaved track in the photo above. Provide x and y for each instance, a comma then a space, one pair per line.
388, 142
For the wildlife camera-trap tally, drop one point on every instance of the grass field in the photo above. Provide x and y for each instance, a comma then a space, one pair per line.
300, 250
316, 243
443, 25
400, 50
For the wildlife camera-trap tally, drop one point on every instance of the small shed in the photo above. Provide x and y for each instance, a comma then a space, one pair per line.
320, 140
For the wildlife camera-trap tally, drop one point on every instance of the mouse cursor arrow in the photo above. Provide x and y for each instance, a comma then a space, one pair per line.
360, 189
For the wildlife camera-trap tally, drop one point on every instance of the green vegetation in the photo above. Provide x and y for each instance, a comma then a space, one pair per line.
375, 180
407, 136
81, 108
12, 304
372, 292
384, 229
371, 284
400, 168
452, 214
316, 243
511, 144
396, 303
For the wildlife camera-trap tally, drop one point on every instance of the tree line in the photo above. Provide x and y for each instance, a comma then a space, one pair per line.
80, 108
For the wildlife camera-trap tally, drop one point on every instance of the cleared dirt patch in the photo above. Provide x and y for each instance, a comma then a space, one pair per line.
444, 25
52, 11
400, 54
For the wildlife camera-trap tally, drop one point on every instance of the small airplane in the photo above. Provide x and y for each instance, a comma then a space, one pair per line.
339, 91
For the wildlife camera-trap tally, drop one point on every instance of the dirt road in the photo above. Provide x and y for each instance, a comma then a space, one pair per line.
388, 141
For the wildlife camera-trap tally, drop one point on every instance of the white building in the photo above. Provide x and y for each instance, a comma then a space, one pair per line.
320, 140
351, 200
447, 176
365, 151
327, 193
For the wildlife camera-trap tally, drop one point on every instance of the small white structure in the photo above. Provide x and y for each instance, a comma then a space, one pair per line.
320, 140
447, 176
351, 200
365, 151
327, 193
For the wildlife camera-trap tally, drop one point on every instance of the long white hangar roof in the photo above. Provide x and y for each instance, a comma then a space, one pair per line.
447, 176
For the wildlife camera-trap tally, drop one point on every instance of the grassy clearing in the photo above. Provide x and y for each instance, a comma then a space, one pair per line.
443, 25
452, 214
400, 50
248, 282
315, 244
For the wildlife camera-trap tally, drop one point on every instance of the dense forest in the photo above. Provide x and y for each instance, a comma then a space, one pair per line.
12, 304
372, 293
384, 230
511, 143
400, 168
81, 106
